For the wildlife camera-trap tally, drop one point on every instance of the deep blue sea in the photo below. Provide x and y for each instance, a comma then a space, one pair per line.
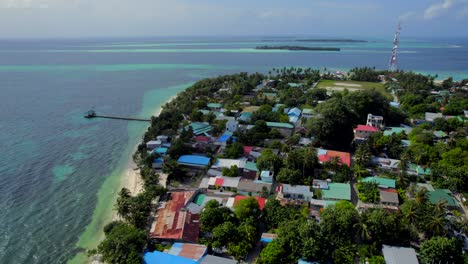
59, 172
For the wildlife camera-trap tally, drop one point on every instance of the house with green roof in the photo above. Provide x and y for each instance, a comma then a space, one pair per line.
439, 134
285, 129
295, 85
307, 113
214, 106
382, 182
416, 169
405, 143
444, 195
199, 128
204, 111
394, 130
337, 191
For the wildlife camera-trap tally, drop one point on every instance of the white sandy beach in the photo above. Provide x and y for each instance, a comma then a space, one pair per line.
131, 178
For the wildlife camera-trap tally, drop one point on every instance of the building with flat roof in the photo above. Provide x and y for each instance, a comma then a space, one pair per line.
296, 192
374, 121
196, 161
190, 251
399, 255
222, 182
389, 197
158, 257
337, 191
430, 117
210, 259
254, 188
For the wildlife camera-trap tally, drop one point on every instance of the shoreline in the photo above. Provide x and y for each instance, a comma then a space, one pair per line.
124, 175
131, 177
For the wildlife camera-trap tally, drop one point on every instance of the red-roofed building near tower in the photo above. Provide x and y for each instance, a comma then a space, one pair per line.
173, 221
325, 155
363, 132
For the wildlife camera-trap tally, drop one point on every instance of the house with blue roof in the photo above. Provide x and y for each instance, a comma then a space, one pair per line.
157, 163
158, 257
194, 161
224, 138
161, 151
294, 114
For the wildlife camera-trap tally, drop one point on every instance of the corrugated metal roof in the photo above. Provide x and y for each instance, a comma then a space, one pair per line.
214, 105
174, 223
326, 155
389, 197
194, 160
190, 251
252, 166
280, 125
366, 128
210, 259
440, 194
158, 257
389, 183
337, 191
399, 255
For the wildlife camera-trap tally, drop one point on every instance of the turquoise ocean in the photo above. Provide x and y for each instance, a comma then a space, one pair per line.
59, 172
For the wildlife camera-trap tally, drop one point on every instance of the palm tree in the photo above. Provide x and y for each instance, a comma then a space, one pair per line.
462, 223
421, 197
440, 207
409, 211
363, 230
437, 224
123, 203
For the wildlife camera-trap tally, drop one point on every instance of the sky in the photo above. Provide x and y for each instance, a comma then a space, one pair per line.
122, 18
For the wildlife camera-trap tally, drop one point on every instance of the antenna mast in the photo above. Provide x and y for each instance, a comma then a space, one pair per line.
393, 59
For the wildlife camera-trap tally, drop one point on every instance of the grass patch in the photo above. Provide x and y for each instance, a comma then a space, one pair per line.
351, 86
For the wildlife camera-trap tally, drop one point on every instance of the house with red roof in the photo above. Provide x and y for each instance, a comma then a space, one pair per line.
362, 132
325, 155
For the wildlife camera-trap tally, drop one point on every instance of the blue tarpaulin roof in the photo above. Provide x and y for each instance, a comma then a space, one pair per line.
194, 160
225, 137
158, 257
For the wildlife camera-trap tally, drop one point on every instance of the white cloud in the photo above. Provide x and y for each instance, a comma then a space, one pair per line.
438, 9
407, 16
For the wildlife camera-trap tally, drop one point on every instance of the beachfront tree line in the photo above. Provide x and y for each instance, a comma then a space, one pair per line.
337, 115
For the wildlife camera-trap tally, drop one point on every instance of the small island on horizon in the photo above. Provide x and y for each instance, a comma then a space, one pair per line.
336, 40
297, 48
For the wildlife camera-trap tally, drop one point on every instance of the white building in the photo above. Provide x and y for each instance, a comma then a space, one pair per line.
232, 126
374, 121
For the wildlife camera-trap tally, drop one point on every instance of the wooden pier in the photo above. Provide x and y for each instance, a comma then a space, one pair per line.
92, 114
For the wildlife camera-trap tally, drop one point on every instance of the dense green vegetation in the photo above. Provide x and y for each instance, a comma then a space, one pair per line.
236, 231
